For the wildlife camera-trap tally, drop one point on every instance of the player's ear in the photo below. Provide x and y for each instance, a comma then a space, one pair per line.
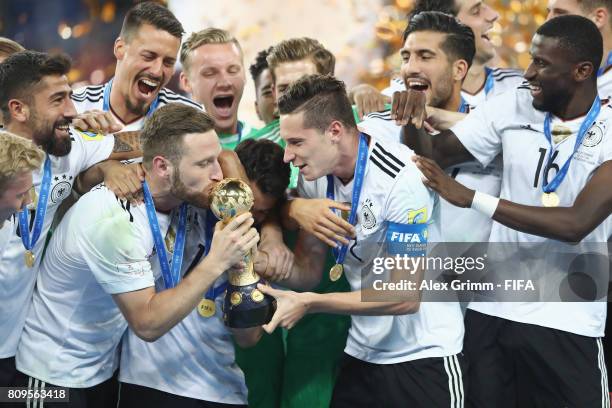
460, 69
184, 82
19, 111
161, 167
583, 71
119, 48
335, 131
600, 17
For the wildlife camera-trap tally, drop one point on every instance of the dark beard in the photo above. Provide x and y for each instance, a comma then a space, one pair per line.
179, 190
44, 136
552, 103
136, 109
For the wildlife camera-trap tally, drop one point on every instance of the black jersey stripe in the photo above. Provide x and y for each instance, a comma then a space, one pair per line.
377, 154
81, 98
178, 98
400, 163
383, 168
498, 72
376, 116
501, 78
89, 99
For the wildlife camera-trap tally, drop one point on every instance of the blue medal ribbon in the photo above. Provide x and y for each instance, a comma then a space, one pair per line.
171, 276
489, 81
584, 127
464, 107
106, 99
41, 210
358, 176
602, 70
212, 293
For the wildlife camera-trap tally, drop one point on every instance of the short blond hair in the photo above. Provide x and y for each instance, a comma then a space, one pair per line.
9, 47
17, 155
296, 49
207, 36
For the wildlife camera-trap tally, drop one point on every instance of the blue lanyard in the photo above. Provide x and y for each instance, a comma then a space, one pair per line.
171, 277
358, 176
584, 127
212, 293
464, 107
489, 81
41, 210
602, 70
106, 99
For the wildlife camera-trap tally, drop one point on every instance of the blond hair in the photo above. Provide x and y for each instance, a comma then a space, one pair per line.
207, 36
9, 47
17, 155
296, 49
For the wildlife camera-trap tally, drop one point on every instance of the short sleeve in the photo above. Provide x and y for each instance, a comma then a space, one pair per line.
409, 212
113, 246
479, 131
409, 201
89, 149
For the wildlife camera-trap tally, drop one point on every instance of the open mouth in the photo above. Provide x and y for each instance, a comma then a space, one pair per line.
223, 104
62, 128
147, 86
418, 84
535, 89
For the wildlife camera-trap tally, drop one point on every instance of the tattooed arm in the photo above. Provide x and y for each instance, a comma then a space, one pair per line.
127, 146
124, 180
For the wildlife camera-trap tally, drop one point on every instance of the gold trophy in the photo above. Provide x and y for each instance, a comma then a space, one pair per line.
244, 305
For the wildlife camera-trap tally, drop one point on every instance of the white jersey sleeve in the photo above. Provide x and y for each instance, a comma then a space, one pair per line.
90, 150
409, 203
480, 132
112, 246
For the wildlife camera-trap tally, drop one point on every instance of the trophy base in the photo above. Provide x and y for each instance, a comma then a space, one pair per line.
246, 306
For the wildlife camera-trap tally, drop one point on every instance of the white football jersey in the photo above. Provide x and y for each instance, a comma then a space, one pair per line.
16, 279
456, 224
92, 97
196, 358
73, 329
392, 192
604, 84
511, 126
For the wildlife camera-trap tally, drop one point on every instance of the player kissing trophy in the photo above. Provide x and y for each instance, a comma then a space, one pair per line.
244, 305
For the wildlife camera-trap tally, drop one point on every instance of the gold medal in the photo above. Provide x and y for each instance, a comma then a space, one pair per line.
336, 272
28, 257
550, 199
236, 298
206, 308
257, 296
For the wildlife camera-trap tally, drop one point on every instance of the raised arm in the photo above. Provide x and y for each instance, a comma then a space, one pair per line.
570, 224
409, 110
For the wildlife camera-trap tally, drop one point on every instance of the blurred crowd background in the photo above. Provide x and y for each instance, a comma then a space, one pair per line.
363, 34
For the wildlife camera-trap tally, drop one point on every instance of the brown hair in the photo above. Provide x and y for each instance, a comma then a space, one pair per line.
153, 14
296, 49
164, 131
322, 98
